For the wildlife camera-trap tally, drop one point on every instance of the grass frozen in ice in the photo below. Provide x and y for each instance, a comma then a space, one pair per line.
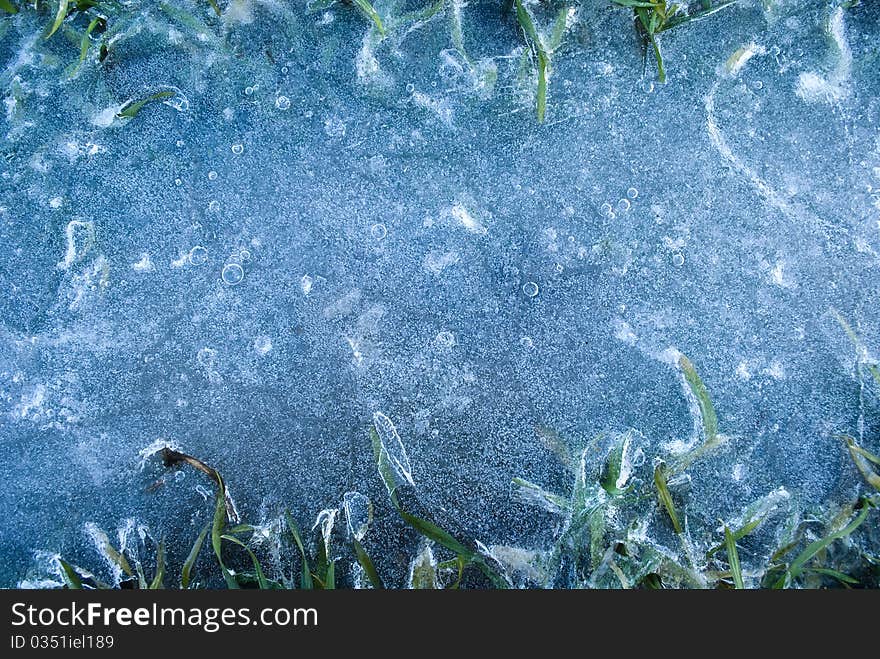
543, 25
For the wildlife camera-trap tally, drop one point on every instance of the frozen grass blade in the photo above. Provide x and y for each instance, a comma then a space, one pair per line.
71, 578
369, 11
844, 579
366, 563
534, 495
863, 460
660, 482
215, 7
543, 50
698, 389
798, 565
157, 582
683, 19
217, 535
733, 559
60, 15
615, 470
306, 574
753, 516
427, 528
258, 570
186, 572
132, 108
860, 347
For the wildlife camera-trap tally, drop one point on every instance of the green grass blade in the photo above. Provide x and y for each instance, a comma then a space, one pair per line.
559, 27
524, 17
695, 16
217, 527
186, 572
698, 389
613, 469
660, 476
132, 108
159, 577
60, 15
863, 460
845, 579
368, 11
753, 516
215, 7
306, 575
798, 565
258, 570
365, 562
733, 560
71, 578
8, 7
633, 3
541, 101
330, 576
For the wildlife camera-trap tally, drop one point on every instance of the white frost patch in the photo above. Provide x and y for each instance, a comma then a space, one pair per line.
779, 277
739, 472
436, 262
369, 72
56, 202
32, 403
106, 117
623, 332
743, 372
153, 448
775, 370
356, 355
80, 238
145, 264
812, 86
239, 12
262, 344
180, 261
439, 106
465, 218
306, 284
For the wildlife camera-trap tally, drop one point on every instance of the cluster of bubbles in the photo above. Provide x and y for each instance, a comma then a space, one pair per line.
232, 273
623, 204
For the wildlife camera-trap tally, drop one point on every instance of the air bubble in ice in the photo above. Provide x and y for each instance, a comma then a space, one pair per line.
238, 149
678, 259
623, 205
232, 274
212, 175
632, 193
198, 255
378, 231
530, 289
282, 103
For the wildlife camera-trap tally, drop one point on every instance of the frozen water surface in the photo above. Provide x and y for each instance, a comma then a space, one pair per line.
321, 228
